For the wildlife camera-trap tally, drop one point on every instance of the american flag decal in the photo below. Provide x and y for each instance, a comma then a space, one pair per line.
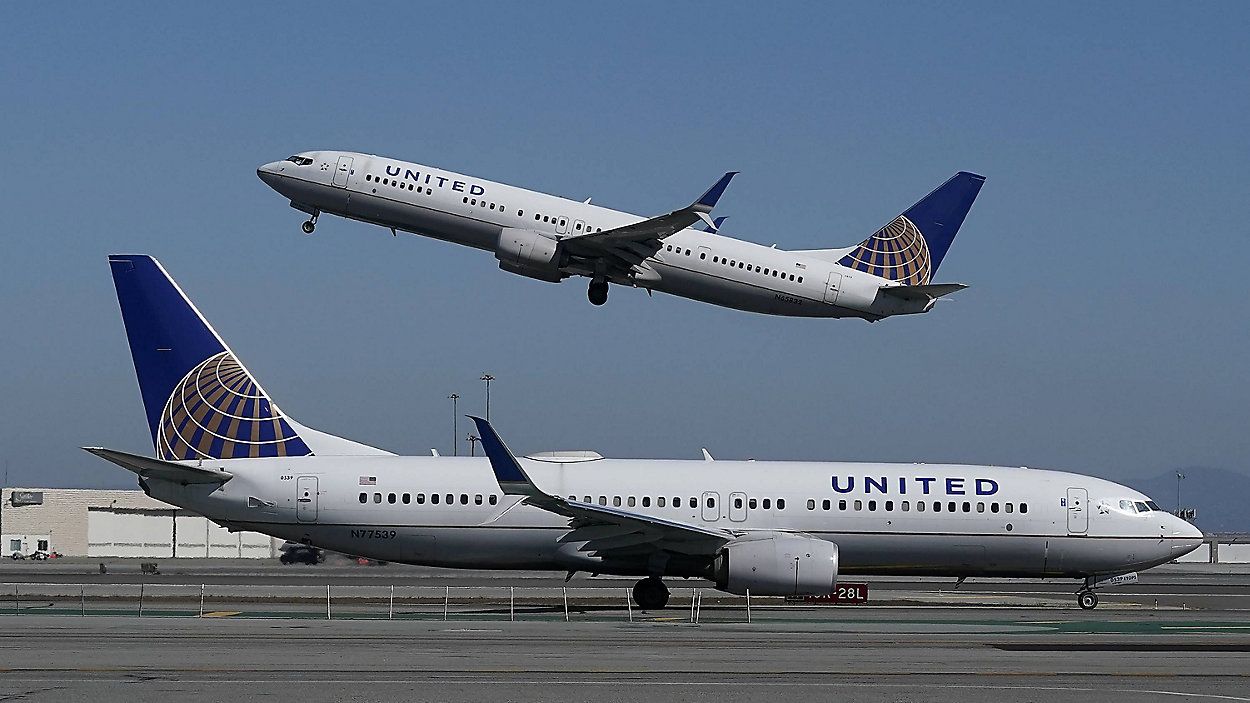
368, 480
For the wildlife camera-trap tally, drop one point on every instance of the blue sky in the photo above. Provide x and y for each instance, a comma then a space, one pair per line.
1105, 330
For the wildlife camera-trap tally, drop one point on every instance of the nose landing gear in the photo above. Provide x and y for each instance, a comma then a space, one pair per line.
598, 294
311, 223
650, 593
1088, 600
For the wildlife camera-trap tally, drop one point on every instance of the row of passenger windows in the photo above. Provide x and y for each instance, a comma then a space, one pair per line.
906, 506
396, 183
435, 498
676, 502
732, 263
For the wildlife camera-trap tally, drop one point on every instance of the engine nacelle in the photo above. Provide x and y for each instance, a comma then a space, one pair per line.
778, 565
529, 253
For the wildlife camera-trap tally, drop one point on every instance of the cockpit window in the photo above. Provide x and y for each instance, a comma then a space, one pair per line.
1127, 506
1153, 505
300, 160
1141, 507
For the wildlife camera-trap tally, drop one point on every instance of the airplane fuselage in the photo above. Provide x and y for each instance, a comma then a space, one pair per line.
474, 212
917, 519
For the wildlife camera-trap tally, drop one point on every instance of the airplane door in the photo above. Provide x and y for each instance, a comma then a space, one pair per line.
1078, 512
343, 171
832, 287
737, 507
579, 227
562, 224
306, 498
711, 506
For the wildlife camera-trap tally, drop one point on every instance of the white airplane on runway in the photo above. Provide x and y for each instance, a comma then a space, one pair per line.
551, 238
224, 450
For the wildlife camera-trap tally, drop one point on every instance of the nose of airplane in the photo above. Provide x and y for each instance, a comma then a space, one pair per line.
269, 172
1186, 536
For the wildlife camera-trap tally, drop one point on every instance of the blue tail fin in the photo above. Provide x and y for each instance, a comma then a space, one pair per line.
911, 247
201, 402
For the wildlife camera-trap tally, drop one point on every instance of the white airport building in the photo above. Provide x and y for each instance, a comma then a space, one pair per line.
106, 523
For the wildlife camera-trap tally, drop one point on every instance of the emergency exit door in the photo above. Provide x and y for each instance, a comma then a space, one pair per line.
1078, 511
306, 498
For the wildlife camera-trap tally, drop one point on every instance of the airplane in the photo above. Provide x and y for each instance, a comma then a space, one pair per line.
224, 450
550, 238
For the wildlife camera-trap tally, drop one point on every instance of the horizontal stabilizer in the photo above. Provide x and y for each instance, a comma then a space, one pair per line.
148, 467
929, 291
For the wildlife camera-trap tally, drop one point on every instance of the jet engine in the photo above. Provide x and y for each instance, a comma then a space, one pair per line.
777, 565
529, 253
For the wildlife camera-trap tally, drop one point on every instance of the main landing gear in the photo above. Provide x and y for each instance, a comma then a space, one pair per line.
650, 593
311, 223
598, 295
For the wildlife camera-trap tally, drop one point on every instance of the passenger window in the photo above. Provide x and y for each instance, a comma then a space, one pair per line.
872, 505
420, 499
825, 504
1024, 507
659, 502
889, 506
451, 498
407, 498
751, 504
588, 500
434, 499
811, 504
781, 503
603, 500
951, 507
711, 502
906, 506
494, 499
737, 503
993, 507
676, 502
477, 499
920, 506
967, 507
980, 507
616, 501
364, 497
937, 506
702, 255
800, 279
694, 502
859, 505
390, 498
1009, 507
767, 503
646, 501
377, 497
631, 502
842, 505
520, 213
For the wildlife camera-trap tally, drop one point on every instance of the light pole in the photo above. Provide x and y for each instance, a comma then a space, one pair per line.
1179, 476
455, 425
488, 378
473, 440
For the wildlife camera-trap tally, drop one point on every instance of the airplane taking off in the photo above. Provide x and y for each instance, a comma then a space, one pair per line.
551, 238
225, 450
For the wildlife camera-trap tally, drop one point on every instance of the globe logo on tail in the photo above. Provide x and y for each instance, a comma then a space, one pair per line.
897, 252
217, 411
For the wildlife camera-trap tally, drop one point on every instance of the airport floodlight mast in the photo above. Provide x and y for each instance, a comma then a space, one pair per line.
455, 425
473, 440
488, 378
1179, 476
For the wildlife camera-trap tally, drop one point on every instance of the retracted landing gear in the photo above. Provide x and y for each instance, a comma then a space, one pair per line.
598, 294
650, 593
311, 223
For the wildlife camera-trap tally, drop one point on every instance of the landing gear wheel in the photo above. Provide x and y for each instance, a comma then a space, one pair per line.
651, 593
1088, 600
308, 226
598, 292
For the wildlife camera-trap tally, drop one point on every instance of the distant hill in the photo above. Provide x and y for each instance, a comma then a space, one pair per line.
1221, 497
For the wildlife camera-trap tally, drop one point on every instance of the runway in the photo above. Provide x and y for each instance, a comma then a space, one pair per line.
882, 656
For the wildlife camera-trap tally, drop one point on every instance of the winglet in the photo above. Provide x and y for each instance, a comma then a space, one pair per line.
714, 225
709, 199
508, 472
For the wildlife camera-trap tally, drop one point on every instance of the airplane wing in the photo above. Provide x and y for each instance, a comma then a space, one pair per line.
630, 245
148, 467
606, 531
